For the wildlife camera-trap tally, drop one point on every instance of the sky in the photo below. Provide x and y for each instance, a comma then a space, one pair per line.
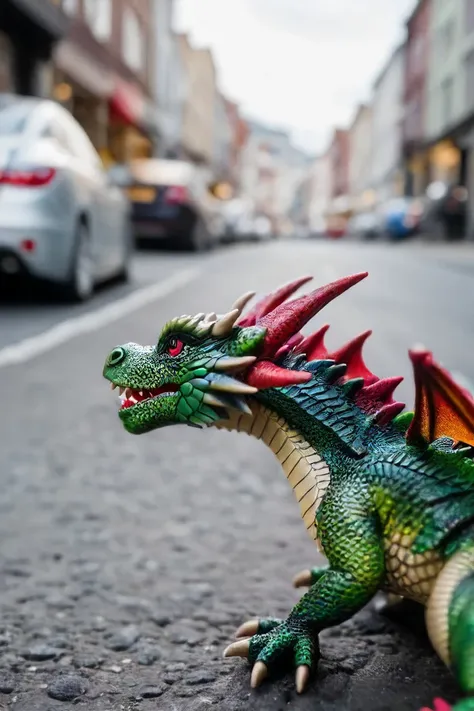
300, 65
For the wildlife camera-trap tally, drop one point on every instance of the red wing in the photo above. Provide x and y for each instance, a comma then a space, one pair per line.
442, 407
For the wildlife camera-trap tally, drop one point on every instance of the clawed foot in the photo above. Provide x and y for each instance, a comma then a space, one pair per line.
265, 640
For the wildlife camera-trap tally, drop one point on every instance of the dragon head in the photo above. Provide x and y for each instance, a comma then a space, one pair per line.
188, 376
204, 366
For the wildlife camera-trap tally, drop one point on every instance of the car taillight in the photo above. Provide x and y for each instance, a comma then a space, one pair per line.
34, 178
176, 195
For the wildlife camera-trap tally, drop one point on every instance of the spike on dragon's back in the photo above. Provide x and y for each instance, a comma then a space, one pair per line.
398, 485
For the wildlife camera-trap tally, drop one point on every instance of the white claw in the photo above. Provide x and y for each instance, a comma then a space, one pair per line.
302, 678
247, 629
238, 649
303, 579
259, 674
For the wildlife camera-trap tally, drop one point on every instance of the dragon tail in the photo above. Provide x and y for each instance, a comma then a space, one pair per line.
450, 621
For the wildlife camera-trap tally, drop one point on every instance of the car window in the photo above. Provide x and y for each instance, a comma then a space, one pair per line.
54, 129
14, 117
74, 139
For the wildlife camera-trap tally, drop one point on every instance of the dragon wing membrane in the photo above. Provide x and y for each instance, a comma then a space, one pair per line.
442, 407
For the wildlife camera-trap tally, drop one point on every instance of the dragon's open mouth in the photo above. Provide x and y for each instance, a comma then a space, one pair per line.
132, 397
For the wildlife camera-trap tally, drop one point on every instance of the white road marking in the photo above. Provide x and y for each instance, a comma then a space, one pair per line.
32, 347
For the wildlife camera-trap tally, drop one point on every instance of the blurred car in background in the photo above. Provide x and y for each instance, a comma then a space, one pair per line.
171, 202
336, 227
60, 220
262, 228
445, 211
401, 218
237, 221
365, 226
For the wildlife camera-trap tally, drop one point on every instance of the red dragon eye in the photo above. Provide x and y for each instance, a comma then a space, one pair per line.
175, 346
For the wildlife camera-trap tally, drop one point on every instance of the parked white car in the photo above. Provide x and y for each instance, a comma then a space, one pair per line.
60, 219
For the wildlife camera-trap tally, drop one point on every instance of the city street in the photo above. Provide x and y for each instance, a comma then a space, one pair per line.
127, 562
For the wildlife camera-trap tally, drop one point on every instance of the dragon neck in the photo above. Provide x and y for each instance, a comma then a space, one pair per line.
306, 470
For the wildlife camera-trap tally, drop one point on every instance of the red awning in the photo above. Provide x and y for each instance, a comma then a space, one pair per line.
127, 102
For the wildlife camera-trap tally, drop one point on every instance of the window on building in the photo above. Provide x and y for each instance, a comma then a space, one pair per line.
70, 7
469, 16
98, 15
445, 39
469, 78
447, 100
133, 41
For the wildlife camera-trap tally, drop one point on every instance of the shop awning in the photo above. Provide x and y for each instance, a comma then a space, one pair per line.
130, 104
127, 101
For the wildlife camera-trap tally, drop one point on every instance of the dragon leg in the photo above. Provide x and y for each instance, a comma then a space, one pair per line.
348, 584
450, 621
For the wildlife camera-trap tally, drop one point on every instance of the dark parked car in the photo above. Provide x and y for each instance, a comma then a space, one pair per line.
171, 202
446, 211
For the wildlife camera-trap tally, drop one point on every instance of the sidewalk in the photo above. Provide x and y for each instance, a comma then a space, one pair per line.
459, 254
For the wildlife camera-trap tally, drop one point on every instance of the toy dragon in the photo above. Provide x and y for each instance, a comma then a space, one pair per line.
387, 495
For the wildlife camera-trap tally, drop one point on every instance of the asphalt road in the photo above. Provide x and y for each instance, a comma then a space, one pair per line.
127, 562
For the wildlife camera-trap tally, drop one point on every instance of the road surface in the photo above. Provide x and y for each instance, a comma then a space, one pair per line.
127, 562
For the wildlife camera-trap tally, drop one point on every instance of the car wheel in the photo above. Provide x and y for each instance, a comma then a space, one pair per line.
198, 239
80, 285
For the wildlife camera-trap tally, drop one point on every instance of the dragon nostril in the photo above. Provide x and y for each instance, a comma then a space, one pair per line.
117, 356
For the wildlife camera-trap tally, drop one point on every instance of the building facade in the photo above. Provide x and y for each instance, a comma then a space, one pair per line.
103, 72
360, 159
199, 112
387, 117
450, 115
271, 174
239, 137
168, 79
36, 25
415, 99
339, 165
321, 192
222, 140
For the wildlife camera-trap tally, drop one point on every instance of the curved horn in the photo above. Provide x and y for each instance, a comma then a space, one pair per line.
225, 323
243, 300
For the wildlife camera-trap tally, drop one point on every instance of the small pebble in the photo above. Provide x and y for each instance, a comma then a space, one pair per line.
161, 620
200, 677
152, 692
6, 685
115, 669
148, 656
124, 638
67, 688
41, 653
